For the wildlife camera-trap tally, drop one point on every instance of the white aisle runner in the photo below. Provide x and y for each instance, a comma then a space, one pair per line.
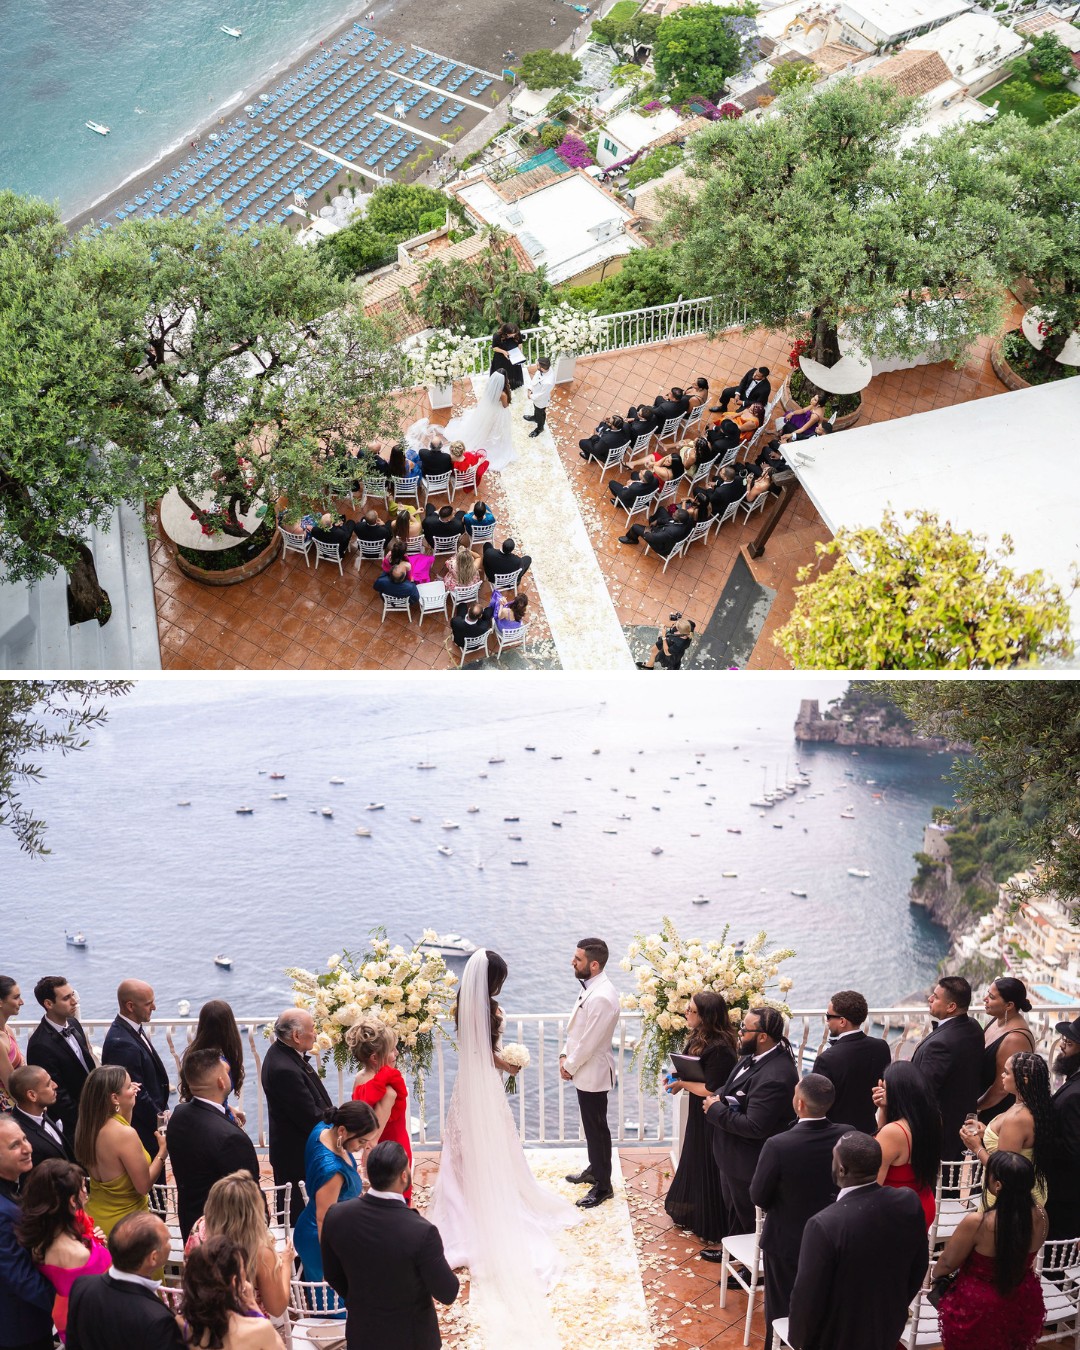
584, 625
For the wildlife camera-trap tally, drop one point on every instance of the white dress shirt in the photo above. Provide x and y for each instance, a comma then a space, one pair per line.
540, 387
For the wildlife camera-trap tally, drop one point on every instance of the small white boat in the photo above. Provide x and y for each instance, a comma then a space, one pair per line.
700, 900
276, 776
327, 812
74, 939
375, 806
337, 782
596, 752
245, 810
656, 850
416, 819
624, 816
446, 852
425, 765
98, 127
557, 824
279, 796
733, 829
847, 815
230, 32
447, 944
223, 962
495, 759
185, 802
857, 872
729, 874
610, 831
530, 747
511, 820
519, 862
183, 1007
801, 894
514, 838
450, 825
363, 832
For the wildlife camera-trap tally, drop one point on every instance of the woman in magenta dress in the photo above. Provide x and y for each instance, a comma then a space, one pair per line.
995, 1302
379, 1082
58, 1233
909, 1132
11, 1001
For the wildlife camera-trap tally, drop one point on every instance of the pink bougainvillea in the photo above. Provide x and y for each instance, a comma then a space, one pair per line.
574, 152
730, 110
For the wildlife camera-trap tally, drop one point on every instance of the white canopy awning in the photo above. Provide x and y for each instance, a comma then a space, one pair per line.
1007, 464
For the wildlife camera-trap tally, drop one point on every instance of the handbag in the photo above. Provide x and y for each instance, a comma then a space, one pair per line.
940, 1287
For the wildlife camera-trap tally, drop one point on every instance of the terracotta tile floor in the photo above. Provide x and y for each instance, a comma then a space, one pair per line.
292, 617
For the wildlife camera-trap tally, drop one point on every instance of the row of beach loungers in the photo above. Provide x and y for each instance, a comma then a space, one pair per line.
255, 164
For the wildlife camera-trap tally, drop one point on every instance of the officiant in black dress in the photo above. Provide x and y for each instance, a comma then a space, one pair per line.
694, 1200
503, 341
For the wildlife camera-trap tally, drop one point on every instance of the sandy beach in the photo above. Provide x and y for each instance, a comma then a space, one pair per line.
475, 31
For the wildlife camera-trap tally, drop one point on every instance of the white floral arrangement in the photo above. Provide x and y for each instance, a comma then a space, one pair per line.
670, 971
408, 990
566, 331
518, 1056
443, 356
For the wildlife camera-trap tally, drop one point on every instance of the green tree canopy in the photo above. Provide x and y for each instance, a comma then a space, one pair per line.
1026, 739
647, 277
1057, 105
817, 211
697, 48
480, 292
627, 36
793, 75
548, 70
921, 598
1048, 55
37, 716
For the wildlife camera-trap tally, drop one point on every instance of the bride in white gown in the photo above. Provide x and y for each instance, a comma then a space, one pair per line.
493, 1215
486, 425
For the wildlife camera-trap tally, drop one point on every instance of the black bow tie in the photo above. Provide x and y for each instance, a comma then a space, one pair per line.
934, 1025
834, 1040
67, 1031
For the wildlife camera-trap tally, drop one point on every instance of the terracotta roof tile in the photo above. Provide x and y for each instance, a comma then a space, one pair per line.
912, 72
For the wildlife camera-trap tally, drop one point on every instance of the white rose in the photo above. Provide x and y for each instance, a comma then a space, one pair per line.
430, 935
334, 961
323, 1043
414, 1002
664, 1021
744, 980
370, 971
346, 1016
384, 968
633, 950
395, 993
785, 984
425, 1026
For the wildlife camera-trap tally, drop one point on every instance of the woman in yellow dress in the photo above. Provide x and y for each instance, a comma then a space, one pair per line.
1027, 1127
121, 1172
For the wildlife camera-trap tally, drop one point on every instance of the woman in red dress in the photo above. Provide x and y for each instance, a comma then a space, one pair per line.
380, 1084
909, 1132
996, 1302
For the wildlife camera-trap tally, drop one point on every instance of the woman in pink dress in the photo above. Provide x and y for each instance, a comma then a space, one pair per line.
909, 1132
996, 1302
10, 1058
419, 564
379, 1082
58, 1233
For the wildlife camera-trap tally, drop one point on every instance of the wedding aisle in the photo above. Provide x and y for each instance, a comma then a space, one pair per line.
601, 1271
584, 626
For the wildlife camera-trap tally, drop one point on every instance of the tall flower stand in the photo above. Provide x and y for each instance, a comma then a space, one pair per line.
441, 395
565, 366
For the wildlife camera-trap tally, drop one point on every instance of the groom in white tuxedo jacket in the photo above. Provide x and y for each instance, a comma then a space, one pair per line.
588, 1062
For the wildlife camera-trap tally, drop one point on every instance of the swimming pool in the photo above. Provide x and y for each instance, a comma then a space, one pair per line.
1047, 994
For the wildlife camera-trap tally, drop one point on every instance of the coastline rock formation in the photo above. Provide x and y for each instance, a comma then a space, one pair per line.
878, 724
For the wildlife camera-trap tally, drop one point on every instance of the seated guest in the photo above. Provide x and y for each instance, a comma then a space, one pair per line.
663, 531
33, 1092
332, 1174
853, 1062
396, 583
730, 403
463, 569
338, 533
610, 434
802, 419
672, 404
464, 460
417, 565
640, 420
58, 1233
218, 1306
471, 621
759, 484
729, 487
502, 560
26, 1297
704, 450
772, 459
434, 459
405, 525
909, 1133
236, 1209
481, 514
371, 529
121, 1172
402, 463
509, 615
206, 1141
446, 523
640, 485
754, 387
723, 436
698, 394
668, 651
671, 465
815, 429
120, 1309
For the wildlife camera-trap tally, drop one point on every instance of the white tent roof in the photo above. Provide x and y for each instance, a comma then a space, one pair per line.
1001, 465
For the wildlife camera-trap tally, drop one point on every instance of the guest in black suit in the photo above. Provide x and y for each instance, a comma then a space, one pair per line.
121, 1309
610, 434
471, 621
729, 487
206, 1142
386, 1261
853, 1062
33, 1092
639, 420
862, 1259
371, 529
792, 1183
59, 1045
672, 404
338, 532
26, 1297
446, 523
951, 1059
434, 460
752, 1106
1063, 1183
127, 1044
641, 484
499, 561
664, 531
295, 1097
754, 387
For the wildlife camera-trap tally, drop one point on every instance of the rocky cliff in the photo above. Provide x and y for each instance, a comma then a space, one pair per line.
869, 726
948, 902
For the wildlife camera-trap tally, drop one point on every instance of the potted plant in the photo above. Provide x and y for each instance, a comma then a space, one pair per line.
567, 333
444, 356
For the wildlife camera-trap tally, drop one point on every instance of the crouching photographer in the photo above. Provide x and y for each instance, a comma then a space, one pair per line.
671, 645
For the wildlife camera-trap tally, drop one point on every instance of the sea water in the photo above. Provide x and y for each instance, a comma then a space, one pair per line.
159, 889
153, 71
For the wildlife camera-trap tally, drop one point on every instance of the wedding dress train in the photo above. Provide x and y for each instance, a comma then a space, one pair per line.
486, 426
492, 1213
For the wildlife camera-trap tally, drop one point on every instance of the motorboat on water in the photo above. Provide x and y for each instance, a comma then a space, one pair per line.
857, 872
275, 777
363, 832
530, 747
656, 850
416, 819
186, 802
496, 759
729, 874
472, 810
183, 1007
733, 829
99, 127
450, 825
519, 862
700, 900
425, 765
557, 824
514, 838
800, 894
446, 852
337, 782
327, 812
511, 820
223, 962
231, 32
375, 806
847, 815
75, 939
447, 944
245, 810
279, 796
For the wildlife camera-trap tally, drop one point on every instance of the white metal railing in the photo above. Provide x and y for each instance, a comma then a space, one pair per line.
639, 327
545, 1105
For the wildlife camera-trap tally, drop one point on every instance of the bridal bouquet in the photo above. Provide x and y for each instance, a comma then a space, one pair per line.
408, 990
519, 1057
443, 356
670, 970
566, 331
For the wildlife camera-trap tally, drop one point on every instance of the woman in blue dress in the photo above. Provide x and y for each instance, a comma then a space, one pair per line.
331, 1175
